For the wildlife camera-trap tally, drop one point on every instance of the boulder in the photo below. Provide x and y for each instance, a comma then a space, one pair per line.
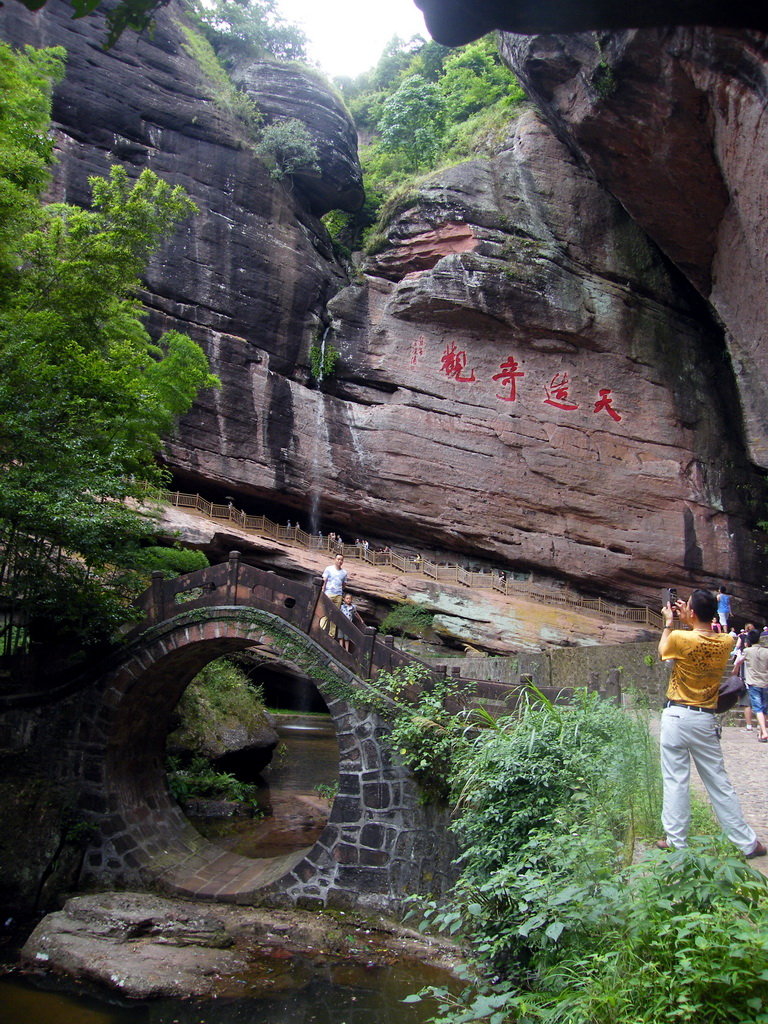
144, 946
284, 92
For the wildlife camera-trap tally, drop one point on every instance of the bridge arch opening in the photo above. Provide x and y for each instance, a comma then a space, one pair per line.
144, 837
279, 744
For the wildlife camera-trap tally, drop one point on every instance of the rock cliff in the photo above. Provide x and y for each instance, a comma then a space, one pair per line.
671, 121
542, 364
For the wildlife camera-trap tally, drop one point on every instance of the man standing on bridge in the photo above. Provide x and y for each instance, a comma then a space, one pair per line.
689, 724
334, 579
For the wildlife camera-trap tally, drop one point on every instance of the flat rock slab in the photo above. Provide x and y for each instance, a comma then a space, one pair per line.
146, 946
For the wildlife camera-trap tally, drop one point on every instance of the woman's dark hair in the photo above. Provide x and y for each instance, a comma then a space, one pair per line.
753, 637
704, 605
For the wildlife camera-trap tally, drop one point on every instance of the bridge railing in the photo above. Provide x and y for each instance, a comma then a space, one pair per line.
232, 584
509, 584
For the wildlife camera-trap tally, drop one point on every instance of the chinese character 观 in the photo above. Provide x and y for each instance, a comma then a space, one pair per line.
453, 363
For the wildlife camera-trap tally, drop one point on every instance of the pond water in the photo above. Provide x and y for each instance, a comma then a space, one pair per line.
289, 990
293, 793
279, 987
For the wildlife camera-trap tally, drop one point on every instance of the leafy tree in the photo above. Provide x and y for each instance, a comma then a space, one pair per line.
85, 394
25, 144
287, 147
413, 121
250, 28
474, 78
395, 62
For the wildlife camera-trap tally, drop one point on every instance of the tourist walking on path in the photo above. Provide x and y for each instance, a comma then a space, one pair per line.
723, 606
689, 726
754, 661
334, 581
349, 609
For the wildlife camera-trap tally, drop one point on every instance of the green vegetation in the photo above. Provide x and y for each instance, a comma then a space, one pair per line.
253, 29
216, 698
286, 147
422, 107
224, 93
323, 360
562, 925
200, 781
173, 561
85, 394
229, 32
407, 620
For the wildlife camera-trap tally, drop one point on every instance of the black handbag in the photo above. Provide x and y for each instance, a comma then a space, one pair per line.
731, 688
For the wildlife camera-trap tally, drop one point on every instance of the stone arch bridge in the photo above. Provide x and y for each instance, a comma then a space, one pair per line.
107, 743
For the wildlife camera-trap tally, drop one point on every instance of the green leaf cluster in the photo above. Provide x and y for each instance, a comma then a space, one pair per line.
563, 926
200, 780
422, 107
322, 361
287, 147
86, 395
249, 29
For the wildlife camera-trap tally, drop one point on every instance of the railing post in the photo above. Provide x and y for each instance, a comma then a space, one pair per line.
365, 658
157, 610
317, 589
233, 572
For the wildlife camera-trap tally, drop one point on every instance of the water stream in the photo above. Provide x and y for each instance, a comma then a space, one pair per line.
294, 793
279, 987
314, 476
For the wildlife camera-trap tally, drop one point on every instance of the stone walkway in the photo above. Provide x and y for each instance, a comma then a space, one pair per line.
746, 761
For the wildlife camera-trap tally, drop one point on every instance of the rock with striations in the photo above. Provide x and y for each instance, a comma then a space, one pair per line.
670, 121
551, 389
532, 372
284, 93
250, 274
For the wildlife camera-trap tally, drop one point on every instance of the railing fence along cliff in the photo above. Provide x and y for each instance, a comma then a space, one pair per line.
488, 579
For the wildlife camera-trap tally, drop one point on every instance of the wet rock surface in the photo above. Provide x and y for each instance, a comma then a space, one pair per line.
607, 262
146, 946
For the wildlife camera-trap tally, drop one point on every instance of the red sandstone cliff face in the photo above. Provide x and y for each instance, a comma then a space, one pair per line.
673, 123
553, 395
524, 376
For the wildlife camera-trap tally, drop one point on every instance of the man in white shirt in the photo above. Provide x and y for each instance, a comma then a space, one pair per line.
334, 579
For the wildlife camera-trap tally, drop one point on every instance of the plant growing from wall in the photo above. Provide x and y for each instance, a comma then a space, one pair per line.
223, 91
286, 147
322, 361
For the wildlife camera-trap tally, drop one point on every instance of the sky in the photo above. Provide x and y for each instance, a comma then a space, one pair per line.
346, 37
